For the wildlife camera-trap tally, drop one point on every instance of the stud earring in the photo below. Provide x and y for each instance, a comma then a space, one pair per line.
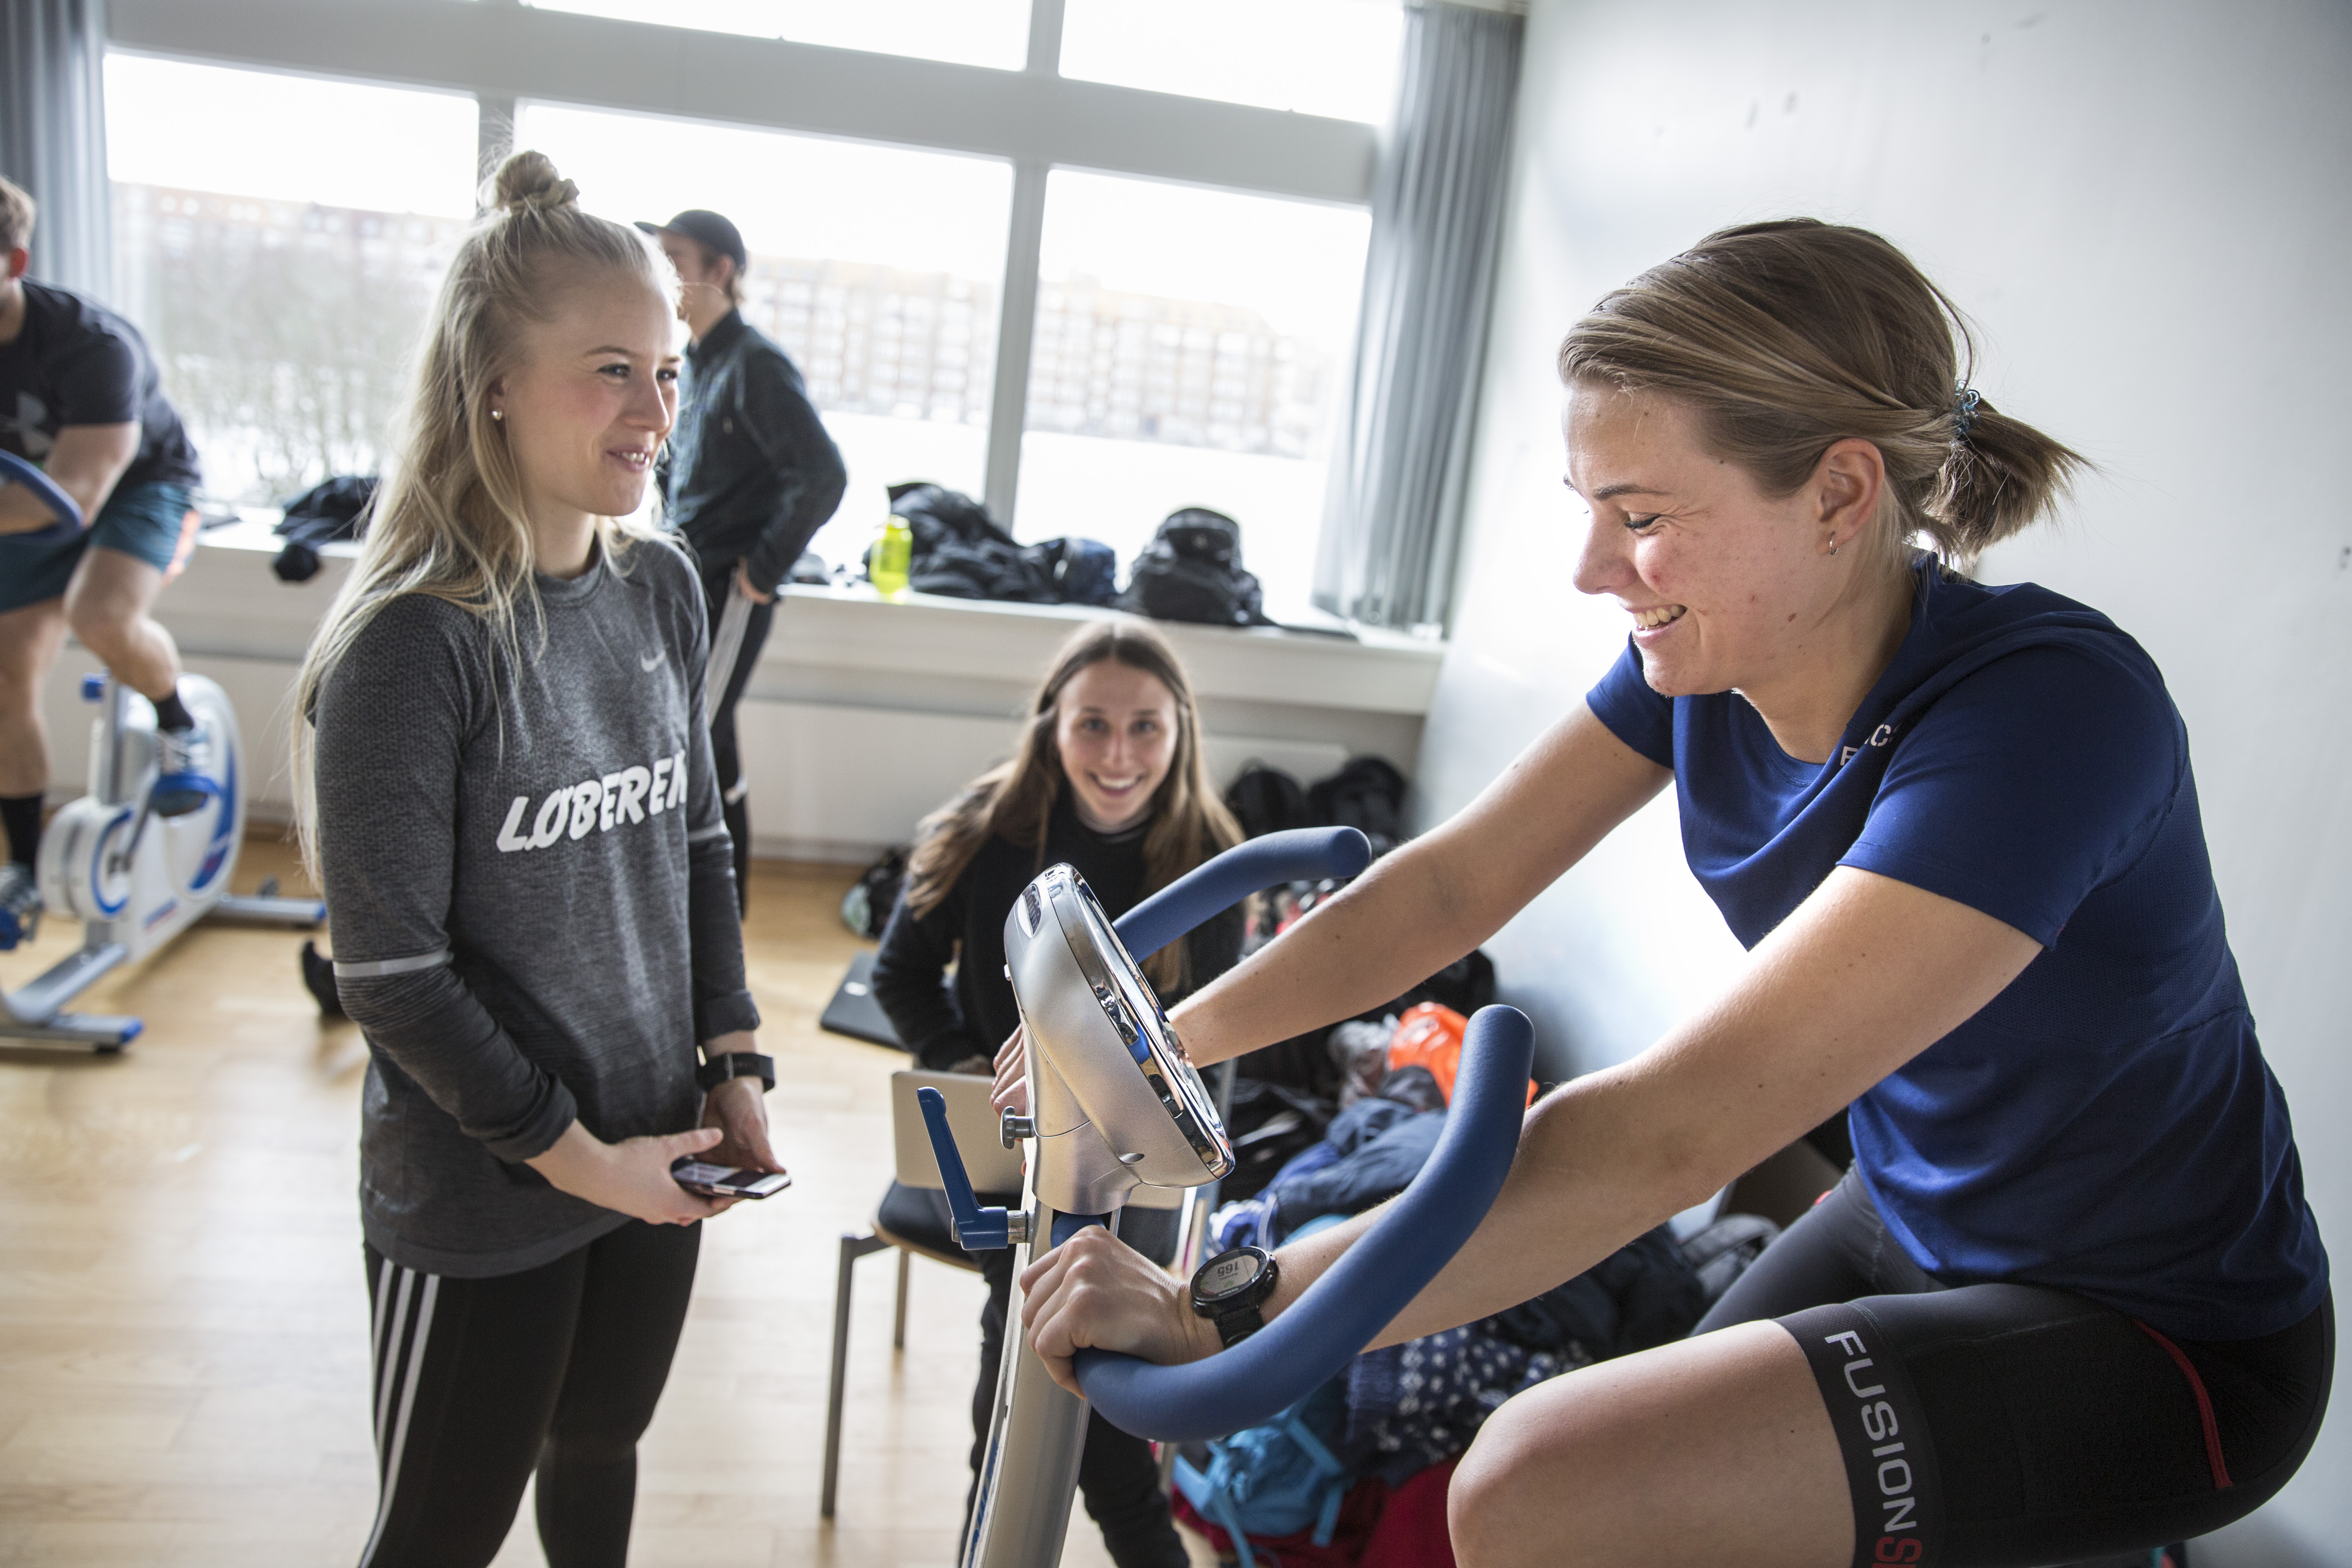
501, 413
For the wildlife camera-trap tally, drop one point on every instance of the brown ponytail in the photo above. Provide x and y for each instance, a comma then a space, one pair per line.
1789, 336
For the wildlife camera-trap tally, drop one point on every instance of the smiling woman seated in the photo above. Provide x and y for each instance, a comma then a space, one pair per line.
1110, 779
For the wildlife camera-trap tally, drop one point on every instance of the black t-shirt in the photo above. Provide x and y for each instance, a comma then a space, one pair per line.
966, 928
77, 362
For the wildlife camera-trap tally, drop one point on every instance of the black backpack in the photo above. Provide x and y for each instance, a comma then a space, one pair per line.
332, 511
1193, 571
1368, 794
1267, 800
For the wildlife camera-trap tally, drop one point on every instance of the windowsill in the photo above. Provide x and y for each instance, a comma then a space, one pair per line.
847, 644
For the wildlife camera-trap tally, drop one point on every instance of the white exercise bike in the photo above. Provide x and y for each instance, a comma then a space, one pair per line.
135, 878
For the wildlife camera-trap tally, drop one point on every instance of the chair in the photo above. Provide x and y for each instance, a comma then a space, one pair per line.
908, 1220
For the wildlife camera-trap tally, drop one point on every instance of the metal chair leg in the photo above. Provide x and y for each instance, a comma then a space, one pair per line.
898, 1329
853, 1247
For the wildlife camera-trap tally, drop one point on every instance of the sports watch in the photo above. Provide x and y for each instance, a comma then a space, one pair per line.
737, 1064
1230, 1287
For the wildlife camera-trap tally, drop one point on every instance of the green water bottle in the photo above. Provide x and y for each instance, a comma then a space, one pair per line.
886, 563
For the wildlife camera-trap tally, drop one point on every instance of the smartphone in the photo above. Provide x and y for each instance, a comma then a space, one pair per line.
726, 1181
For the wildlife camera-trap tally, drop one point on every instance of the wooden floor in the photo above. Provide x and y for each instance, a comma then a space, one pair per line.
184, 1321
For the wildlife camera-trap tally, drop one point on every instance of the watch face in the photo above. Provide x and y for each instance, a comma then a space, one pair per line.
1221, 1277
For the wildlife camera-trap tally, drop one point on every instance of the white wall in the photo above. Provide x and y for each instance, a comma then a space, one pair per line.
2144, 205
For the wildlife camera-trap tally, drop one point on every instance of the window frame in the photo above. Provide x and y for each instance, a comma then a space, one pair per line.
502, 52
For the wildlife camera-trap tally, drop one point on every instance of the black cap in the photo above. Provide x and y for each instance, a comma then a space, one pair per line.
707, 229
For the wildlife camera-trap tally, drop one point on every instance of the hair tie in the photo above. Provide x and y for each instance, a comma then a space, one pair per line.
1964, 414
554, 195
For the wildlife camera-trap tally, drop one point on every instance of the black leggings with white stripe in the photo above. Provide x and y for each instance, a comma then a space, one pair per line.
480, 1383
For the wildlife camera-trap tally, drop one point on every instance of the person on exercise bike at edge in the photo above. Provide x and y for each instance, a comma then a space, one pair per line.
2069, 1301
79, 396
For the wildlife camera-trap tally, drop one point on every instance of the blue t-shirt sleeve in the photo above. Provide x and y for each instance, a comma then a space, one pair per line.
1635, 714
2029, 785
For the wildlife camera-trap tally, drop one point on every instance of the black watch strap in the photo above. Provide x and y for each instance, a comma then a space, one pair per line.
1235, 1324
737, 1064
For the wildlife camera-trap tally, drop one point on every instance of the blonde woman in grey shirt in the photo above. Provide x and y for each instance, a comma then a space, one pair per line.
518, 832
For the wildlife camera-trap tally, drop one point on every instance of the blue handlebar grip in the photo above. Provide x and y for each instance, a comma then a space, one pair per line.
978, 1229
1301, 855
15, 470
1359, 1295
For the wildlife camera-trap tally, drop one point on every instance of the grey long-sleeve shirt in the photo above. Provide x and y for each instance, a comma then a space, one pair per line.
532, 900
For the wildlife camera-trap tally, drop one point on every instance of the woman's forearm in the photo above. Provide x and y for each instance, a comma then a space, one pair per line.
1364, 948
1423, 906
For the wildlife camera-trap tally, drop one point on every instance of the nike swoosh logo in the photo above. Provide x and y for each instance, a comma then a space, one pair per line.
649, 662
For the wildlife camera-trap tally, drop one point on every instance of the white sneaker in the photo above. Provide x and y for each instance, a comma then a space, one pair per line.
184, 763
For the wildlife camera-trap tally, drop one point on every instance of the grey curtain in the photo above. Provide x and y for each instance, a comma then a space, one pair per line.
1391, 525
53, 135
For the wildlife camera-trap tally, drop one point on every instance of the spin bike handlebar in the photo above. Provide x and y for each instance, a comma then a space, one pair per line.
1300, 855
1342, 1311
15, 470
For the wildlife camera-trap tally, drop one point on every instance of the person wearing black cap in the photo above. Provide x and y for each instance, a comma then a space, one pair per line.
750, 477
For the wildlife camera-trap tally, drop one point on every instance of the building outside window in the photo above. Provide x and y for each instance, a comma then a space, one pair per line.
278, 240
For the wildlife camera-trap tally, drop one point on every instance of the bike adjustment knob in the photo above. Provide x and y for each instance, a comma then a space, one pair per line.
1013, 1127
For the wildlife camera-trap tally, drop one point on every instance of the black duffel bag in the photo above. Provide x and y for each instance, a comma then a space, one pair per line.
1193, 571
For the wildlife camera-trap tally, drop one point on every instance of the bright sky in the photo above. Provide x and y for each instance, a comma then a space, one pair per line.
257, 133
1334, 57
1298, 264
791, 195
968, 32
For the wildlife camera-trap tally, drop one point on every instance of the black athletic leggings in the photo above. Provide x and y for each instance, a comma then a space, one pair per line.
480, 1383
2009, 1426
726, 755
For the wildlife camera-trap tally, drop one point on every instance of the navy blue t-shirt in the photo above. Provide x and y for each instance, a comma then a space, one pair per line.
2105, 1125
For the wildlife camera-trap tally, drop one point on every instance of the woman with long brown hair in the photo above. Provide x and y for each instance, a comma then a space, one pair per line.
1108, 778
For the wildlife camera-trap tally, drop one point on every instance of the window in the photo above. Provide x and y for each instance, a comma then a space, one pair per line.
877, 268
963, 32
278, 240
1191, 349
1332, 57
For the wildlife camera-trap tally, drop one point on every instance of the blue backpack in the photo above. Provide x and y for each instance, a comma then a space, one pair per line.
1283, 1476
1278, 1478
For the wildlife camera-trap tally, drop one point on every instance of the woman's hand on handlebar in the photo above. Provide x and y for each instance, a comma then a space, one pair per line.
1011, 1090
1096, 1293
631, 1177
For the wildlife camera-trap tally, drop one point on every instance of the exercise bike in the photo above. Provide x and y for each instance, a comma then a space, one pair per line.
1114, 1104
135, 878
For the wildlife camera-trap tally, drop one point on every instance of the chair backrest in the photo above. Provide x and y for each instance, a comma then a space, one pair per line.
991, 1166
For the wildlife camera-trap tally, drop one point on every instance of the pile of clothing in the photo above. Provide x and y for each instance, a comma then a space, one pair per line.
961, 552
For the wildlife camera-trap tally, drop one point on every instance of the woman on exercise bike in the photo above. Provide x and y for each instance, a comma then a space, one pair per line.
533, 902
1109, 778
2070, 1300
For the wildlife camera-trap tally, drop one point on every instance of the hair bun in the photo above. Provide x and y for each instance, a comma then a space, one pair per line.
529, 181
